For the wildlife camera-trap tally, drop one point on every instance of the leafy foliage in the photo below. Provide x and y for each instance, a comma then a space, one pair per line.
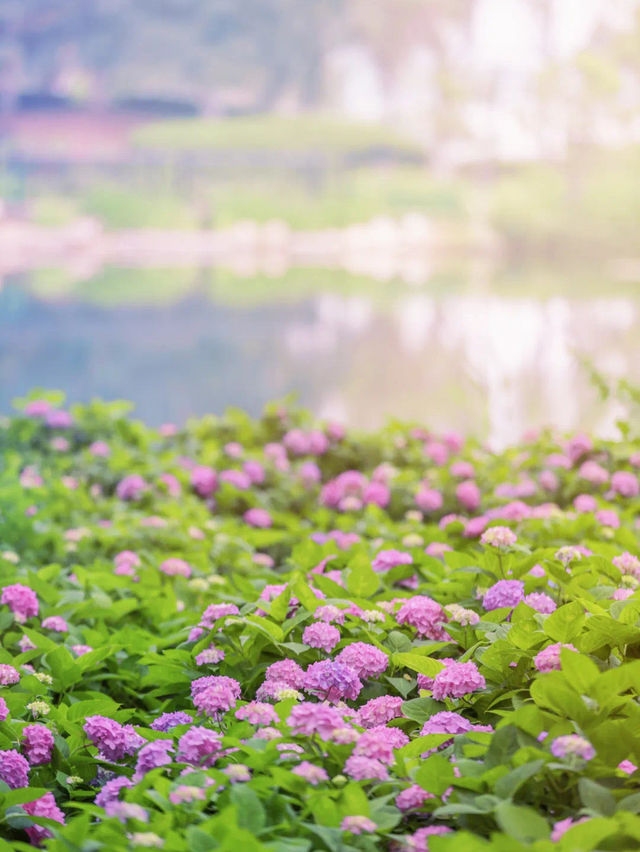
482, 656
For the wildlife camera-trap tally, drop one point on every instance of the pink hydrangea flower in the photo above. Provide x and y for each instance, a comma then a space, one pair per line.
286, 671
540, 602
37, 408
379, 743
151, 756
548, 659
172, 484
237, 773
21, 600
259, 518
578, 445
387, 559
332, 681
572, 744
456, 680
201, 683
429, 500
126, 562
500, 537
503, 593
14, 769
321, 635
215, 611
99, 449
4, 710
237, 478
111, 790
468, 495
255, 471
437, 549
608, 518
258, 713
8, 674
628, 564
56, 623
58, 419
379, 711
199, 746
329, 613
548, 480
210, 656
45, 806
166, 721
358, 825
446, 722
622, 594
38, 744
594, 473
366, 660
585, 503
427, 616
132, 487
313, 775
204, 480
562, 826
365, 769
475, 526
113, 740
174, 567
625, 483
419, 840
411, 798
462, 469
307, 719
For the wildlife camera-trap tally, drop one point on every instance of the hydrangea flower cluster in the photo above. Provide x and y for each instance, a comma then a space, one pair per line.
296, 626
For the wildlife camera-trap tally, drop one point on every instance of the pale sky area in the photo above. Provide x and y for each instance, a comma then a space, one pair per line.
507, 32
507, 39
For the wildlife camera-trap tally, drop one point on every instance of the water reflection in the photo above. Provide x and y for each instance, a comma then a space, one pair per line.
356, 350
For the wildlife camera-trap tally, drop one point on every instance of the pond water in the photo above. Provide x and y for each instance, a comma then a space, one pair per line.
478, 353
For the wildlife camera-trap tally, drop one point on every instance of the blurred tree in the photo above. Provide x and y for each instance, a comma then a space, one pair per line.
179, 48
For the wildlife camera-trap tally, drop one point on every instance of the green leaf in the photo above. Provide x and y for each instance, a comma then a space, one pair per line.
251, 814
579, 670
522, 823
422, 744
596, 797
199, 840
362, 580
435, 774
300, 589
630, 803
423, 665
565, 623
420, 709
507, 786
21, 795
279, 606
503, 745
263, 625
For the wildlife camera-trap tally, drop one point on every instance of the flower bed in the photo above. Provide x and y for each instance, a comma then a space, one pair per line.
277, 635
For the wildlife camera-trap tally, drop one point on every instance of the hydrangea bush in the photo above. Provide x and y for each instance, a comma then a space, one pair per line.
277, 635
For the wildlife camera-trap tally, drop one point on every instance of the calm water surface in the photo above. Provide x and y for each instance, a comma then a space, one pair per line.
477, 357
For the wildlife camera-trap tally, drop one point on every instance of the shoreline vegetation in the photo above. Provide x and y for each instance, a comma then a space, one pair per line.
276, 632
381, 247
311, 173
